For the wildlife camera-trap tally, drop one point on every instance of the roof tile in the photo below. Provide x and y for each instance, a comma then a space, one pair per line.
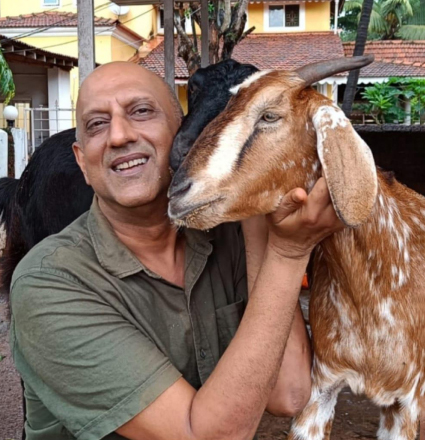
266, 51
49, 19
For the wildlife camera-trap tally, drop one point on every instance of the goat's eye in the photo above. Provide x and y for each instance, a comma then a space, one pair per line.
270, 117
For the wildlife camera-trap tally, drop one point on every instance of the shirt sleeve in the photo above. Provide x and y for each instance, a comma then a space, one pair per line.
91, 368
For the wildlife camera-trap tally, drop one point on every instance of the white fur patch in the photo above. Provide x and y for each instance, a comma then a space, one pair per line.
229, 146
248, 81
385, 307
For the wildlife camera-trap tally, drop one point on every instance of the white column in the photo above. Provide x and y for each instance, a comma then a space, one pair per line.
59, 87
336, 16
323, 89
21, 154
335, 93
3, 153
408, 112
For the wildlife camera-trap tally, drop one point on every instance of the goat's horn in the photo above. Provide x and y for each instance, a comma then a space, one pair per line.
323, 69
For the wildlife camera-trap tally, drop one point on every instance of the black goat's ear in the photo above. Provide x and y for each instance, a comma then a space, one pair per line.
348, 165
197, 79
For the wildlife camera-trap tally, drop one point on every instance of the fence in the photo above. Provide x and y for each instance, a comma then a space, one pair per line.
41, 123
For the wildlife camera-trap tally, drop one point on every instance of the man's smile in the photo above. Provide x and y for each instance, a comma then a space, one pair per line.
131, 164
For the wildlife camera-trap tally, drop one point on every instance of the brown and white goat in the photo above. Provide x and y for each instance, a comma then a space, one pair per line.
367, 309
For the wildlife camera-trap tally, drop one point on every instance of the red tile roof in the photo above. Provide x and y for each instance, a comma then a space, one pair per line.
290, 51
266, 51
394, 51
49, 19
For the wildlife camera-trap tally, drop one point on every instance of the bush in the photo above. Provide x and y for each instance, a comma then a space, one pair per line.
386, 101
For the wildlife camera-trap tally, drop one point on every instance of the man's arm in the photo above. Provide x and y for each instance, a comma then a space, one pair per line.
230, 404
293, 386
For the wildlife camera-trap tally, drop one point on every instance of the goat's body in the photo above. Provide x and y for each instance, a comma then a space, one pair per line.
367, 316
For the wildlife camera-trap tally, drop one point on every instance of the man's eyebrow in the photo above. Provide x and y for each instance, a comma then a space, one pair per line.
139, 100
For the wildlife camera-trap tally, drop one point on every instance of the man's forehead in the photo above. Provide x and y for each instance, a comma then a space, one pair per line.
120, 82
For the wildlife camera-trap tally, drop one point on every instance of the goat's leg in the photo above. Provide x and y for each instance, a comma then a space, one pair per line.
315, 421
399, 422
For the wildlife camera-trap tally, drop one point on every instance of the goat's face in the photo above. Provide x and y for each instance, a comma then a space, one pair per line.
260, 147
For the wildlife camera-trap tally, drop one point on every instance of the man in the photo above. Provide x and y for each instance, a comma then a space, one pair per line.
124, 327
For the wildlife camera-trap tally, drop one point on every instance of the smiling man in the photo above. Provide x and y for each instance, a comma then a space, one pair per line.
124, 326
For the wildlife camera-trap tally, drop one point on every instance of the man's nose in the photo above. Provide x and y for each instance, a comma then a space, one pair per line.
121, 132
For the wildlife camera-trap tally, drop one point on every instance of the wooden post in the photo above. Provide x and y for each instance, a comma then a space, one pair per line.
86, 50
169, 42
205, 27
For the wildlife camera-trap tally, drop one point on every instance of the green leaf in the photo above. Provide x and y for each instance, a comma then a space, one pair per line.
7, 86
412, 32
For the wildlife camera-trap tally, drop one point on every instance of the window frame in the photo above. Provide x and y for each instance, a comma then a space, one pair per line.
283, 28
160, 30
56, 5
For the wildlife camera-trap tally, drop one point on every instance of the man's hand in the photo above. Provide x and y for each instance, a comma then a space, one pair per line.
302, 221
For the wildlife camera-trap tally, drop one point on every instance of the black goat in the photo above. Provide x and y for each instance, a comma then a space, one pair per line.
52, 191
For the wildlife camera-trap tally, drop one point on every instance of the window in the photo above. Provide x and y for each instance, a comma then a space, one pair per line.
51, 2
292, 15
160, 17
287, 18
276, 16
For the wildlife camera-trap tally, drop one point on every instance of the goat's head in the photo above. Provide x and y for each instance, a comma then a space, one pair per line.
276, 133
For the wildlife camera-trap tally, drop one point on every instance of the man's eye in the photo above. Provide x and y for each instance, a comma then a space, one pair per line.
95, 124
143, 111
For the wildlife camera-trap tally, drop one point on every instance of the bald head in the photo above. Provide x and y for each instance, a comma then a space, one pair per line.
112, 77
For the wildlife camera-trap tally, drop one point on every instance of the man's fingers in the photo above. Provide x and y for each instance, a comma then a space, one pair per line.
291, 202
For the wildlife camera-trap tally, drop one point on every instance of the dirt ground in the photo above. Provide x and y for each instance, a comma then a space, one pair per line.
356, 418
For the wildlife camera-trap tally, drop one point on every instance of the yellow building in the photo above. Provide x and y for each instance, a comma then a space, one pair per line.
52, 25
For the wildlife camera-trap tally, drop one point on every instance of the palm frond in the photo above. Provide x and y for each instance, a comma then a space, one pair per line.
377, 23
391, 6
412, 32
353, 5
7, 86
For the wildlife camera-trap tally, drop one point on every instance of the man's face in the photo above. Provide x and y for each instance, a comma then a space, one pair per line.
126, 125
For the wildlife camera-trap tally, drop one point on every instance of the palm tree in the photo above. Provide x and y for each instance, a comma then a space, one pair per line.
359, 47
392, 19
7, 86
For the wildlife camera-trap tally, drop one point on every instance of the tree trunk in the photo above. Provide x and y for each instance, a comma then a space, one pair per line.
361, 39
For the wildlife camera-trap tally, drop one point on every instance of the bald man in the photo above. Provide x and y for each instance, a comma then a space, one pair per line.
124, 326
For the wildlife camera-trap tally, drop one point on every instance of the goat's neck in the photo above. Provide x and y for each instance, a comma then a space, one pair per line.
379, 254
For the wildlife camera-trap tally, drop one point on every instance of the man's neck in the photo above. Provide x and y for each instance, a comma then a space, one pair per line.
149, 234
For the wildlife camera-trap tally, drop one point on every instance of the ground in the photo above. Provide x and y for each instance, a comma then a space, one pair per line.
356, 418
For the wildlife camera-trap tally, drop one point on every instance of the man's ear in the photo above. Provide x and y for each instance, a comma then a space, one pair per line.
79, 156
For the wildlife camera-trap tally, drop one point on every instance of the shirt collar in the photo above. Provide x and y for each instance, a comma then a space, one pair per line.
117, 259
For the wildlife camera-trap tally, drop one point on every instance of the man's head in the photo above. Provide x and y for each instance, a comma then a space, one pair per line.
127, 118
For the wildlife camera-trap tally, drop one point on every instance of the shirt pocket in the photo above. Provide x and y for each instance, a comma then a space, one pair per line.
228, 320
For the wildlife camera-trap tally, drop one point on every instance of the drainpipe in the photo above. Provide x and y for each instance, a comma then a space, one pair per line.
336, 16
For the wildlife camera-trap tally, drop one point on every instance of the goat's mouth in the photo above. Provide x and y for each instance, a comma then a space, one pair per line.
189, 215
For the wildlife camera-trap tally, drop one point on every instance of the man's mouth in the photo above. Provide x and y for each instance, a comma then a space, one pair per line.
129, 163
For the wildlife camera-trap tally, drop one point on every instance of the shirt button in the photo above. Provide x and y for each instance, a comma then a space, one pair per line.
202, 353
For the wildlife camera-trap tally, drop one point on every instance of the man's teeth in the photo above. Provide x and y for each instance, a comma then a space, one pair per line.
132, 163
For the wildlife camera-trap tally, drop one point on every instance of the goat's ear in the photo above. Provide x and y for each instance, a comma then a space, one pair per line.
348, 165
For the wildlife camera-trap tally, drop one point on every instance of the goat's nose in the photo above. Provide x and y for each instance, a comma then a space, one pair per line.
180, 184
180, 188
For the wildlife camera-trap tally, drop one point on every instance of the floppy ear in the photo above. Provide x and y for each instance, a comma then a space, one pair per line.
348, 165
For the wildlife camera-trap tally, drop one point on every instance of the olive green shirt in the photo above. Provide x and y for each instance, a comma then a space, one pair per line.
97, 336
